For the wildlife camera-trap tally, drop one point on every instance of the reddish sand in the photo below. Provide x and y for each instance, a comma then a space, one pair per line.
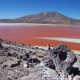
27, 35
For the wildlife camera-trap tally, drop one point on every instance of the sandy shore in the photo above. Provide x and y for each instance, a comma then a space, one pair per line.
33, 24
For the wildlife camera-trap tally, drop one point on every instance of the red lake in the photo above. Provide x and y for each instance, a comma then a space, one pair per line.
29, 35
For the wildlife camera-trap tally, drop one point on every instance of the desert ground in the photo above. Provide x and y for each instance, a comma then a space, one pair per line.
25, 62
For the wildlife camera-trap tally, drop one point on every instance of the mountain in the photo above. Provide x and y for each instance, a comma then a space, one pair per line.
44, 18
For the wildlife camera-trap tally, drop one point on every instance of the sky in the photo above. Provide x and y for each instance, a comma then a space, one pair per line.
18, 8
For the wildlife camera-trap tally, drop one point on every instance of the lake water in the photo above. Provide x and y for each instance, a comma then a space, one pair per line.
32, 35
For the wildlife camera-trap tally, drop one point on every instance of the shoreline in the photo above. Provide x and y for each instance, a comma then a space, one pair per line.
44, 47
34, 24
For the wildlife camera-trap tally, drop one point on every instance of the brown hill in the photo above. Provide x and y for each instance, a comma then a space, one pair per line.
44, 18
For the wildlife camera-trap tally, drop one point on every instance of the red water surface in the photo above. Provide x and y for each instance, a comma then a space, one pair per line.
27, 35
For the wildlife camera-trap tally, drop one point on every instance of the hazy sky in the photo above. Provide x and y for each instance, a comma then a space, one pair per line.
18, 8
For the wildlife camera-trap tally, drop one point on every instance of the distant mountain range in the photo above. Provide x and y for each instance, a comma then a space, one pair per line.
44, 18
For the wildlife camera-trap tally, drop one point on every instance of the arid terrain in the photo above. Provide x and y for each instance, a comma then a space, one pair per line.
25, 62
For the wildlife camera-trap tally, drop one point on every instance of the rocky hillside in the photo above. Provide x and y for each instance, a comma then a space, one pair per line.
44, 18
25, 62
